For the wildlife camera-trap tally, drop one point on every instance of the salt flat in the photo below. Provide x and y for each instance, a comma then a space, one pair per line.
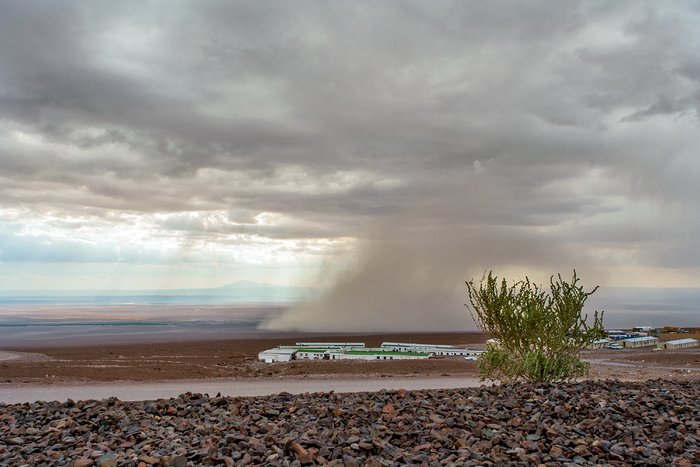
6, 355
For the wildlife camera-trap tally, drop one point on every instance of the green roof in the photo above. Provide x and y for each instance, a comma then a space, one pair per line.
307, 350
389, 352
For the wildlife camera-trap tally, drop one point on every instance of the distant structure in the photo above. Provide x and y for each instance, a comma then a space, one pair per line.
599, 344
435, 350
278, 354
617, 334
331, 345
679, 344
358, 351
493, 344
636, 342
686, 329
644, 336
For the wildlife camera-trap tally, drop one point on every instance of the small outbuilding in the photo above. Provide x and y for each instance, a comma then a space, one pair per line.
679, 344
278, 354
598, 344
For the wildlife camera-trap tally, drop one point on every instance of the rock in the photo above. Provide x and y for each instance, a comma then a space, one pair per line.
107, 460
589, 422
149, 460
302, 454
389, 412
556, 451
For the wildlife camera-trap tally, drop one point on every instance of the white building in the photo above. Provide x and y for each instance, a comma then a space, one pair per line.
358, 351
380, 354
311, 354
435, 349
598, 344
637, 342
679, 344
277, 354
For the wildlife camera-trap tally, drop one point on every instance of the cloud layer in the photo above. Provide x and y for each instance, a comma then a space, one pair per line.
444, 139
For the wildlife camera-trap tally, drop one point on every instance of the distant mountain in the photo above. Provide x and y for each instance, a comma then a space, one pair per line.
237, 292
630, 306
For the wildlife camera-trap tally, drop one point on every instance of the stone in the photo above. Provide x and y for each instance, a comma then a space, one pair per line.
556, 451
301, 454
588, 422
107, 460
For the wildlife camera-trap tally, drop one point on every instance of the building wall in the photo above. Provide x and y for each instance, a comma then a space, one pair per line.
272, 357
680, 345
633, 344
376, 357
598, 344
309, 356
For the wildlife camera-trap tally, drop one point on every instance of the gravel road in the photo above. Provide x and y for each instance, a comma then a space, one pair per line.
130, 391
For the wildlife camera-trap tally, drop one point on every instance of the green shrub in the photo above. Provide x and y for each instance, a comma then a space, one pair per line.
539, 334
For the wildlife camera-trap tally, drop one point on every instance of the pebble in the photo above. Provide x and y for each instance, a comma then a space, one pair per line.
584, 423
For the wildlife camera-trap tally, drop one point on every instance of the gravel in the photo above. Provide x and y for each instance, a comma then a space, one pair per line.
592, 422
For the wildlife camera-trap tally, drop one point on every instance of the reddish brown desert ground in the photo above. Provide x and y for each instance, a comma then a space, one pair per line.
238, 359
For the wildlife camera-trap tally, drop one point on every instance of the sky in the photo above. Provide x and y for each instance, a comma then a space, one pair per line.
387, 151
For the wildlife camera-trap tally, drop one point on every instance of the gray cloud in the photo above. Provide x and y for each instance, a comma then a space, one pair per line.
568, 130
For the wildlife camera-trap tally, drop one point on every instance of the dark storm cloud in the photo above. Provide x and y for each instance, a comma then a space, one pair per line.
570, 125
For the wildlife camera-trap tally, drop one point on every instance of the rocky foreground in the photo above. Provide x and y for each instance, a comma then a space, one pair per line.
593, 422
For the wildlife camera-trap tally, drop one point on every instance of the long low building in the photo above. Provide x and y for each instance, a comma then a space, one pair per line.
679, 344
358, 351
636, 342
435, 349
288, 353
380, 354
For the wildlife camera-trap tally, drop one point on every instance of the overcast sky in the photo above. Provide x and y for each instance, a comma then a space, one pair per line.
385, 145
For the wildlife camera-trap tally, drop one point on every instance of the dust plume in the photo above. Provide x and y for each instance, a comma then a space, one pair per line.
412, 279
